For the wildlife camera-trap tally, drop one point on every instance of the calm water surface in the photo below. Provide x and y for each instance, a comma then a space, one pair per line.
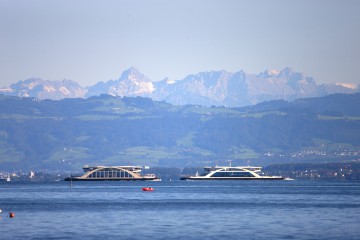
181, 210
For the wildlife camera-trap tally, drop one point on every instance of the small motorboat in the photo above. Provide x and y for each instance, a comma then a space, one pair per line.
148, 189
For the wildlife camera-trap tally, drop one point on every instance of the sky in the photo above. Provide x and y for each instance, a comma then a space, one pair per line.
96, 40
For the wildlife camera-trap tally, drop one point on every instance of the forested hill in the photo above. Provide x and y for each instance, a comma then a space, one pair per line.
66, 134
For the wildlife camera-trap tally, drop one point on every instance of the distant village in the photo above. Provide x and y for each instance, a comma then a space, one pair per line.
319, 153
347, 170
319, 164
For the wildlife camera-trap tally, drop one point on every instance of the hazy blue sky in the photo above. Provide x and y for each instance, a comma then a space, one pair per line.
90, 41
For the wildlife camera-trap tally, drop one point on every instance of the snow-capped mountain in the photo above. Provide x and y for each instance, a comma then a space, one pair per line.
205, 88
131, 83
241, 89
45, 89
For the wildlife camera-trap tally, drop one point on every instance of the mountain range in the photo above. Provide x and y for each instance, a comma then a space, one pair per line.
219, 88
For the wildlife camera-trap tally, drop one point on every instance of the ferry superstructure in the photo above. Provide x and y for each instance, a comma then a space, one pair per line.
113, 173
5, 179
232, 173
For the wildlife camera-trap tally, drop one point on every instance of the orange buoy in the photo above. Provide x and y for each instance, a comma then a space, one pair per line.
11, 214
148, 189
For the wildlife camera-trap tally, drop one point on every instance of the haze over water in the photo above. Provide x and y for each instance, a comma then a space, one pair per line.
181, 210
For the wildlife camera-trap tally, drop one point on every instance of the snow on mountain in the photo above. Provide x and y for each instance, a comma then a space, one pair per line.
204, 88
131, 83
237, 89
346, 88
348, 85
45, 89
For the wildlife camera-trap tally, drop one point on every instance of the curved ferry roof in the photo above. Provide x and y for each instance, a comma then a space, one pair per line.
132, 168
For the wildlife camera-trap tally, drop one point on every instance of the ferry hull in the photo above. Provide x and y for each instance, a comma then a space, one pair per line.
231, 178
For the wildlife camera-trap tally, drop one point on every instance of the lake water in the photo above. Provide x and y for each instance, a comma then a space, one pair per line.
181, 210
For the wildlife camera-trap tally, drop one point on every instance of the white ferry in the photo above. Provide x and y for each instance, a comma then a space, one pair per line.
231, 173
7, 179
113, 173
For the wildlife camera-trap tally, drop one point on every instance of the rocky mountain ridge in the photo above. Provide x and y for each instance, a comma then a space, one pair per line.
231, 89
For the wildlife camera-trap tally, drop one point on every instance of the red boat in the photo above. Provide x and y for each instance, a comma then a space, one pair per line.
148, 189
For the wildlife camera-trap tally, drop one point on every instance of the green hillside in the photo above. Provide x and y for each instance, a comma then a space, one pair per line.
66, 134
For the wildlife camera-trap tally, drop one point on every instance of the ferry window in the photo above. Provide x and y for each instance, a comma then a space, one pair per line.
219, 174
232, 174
